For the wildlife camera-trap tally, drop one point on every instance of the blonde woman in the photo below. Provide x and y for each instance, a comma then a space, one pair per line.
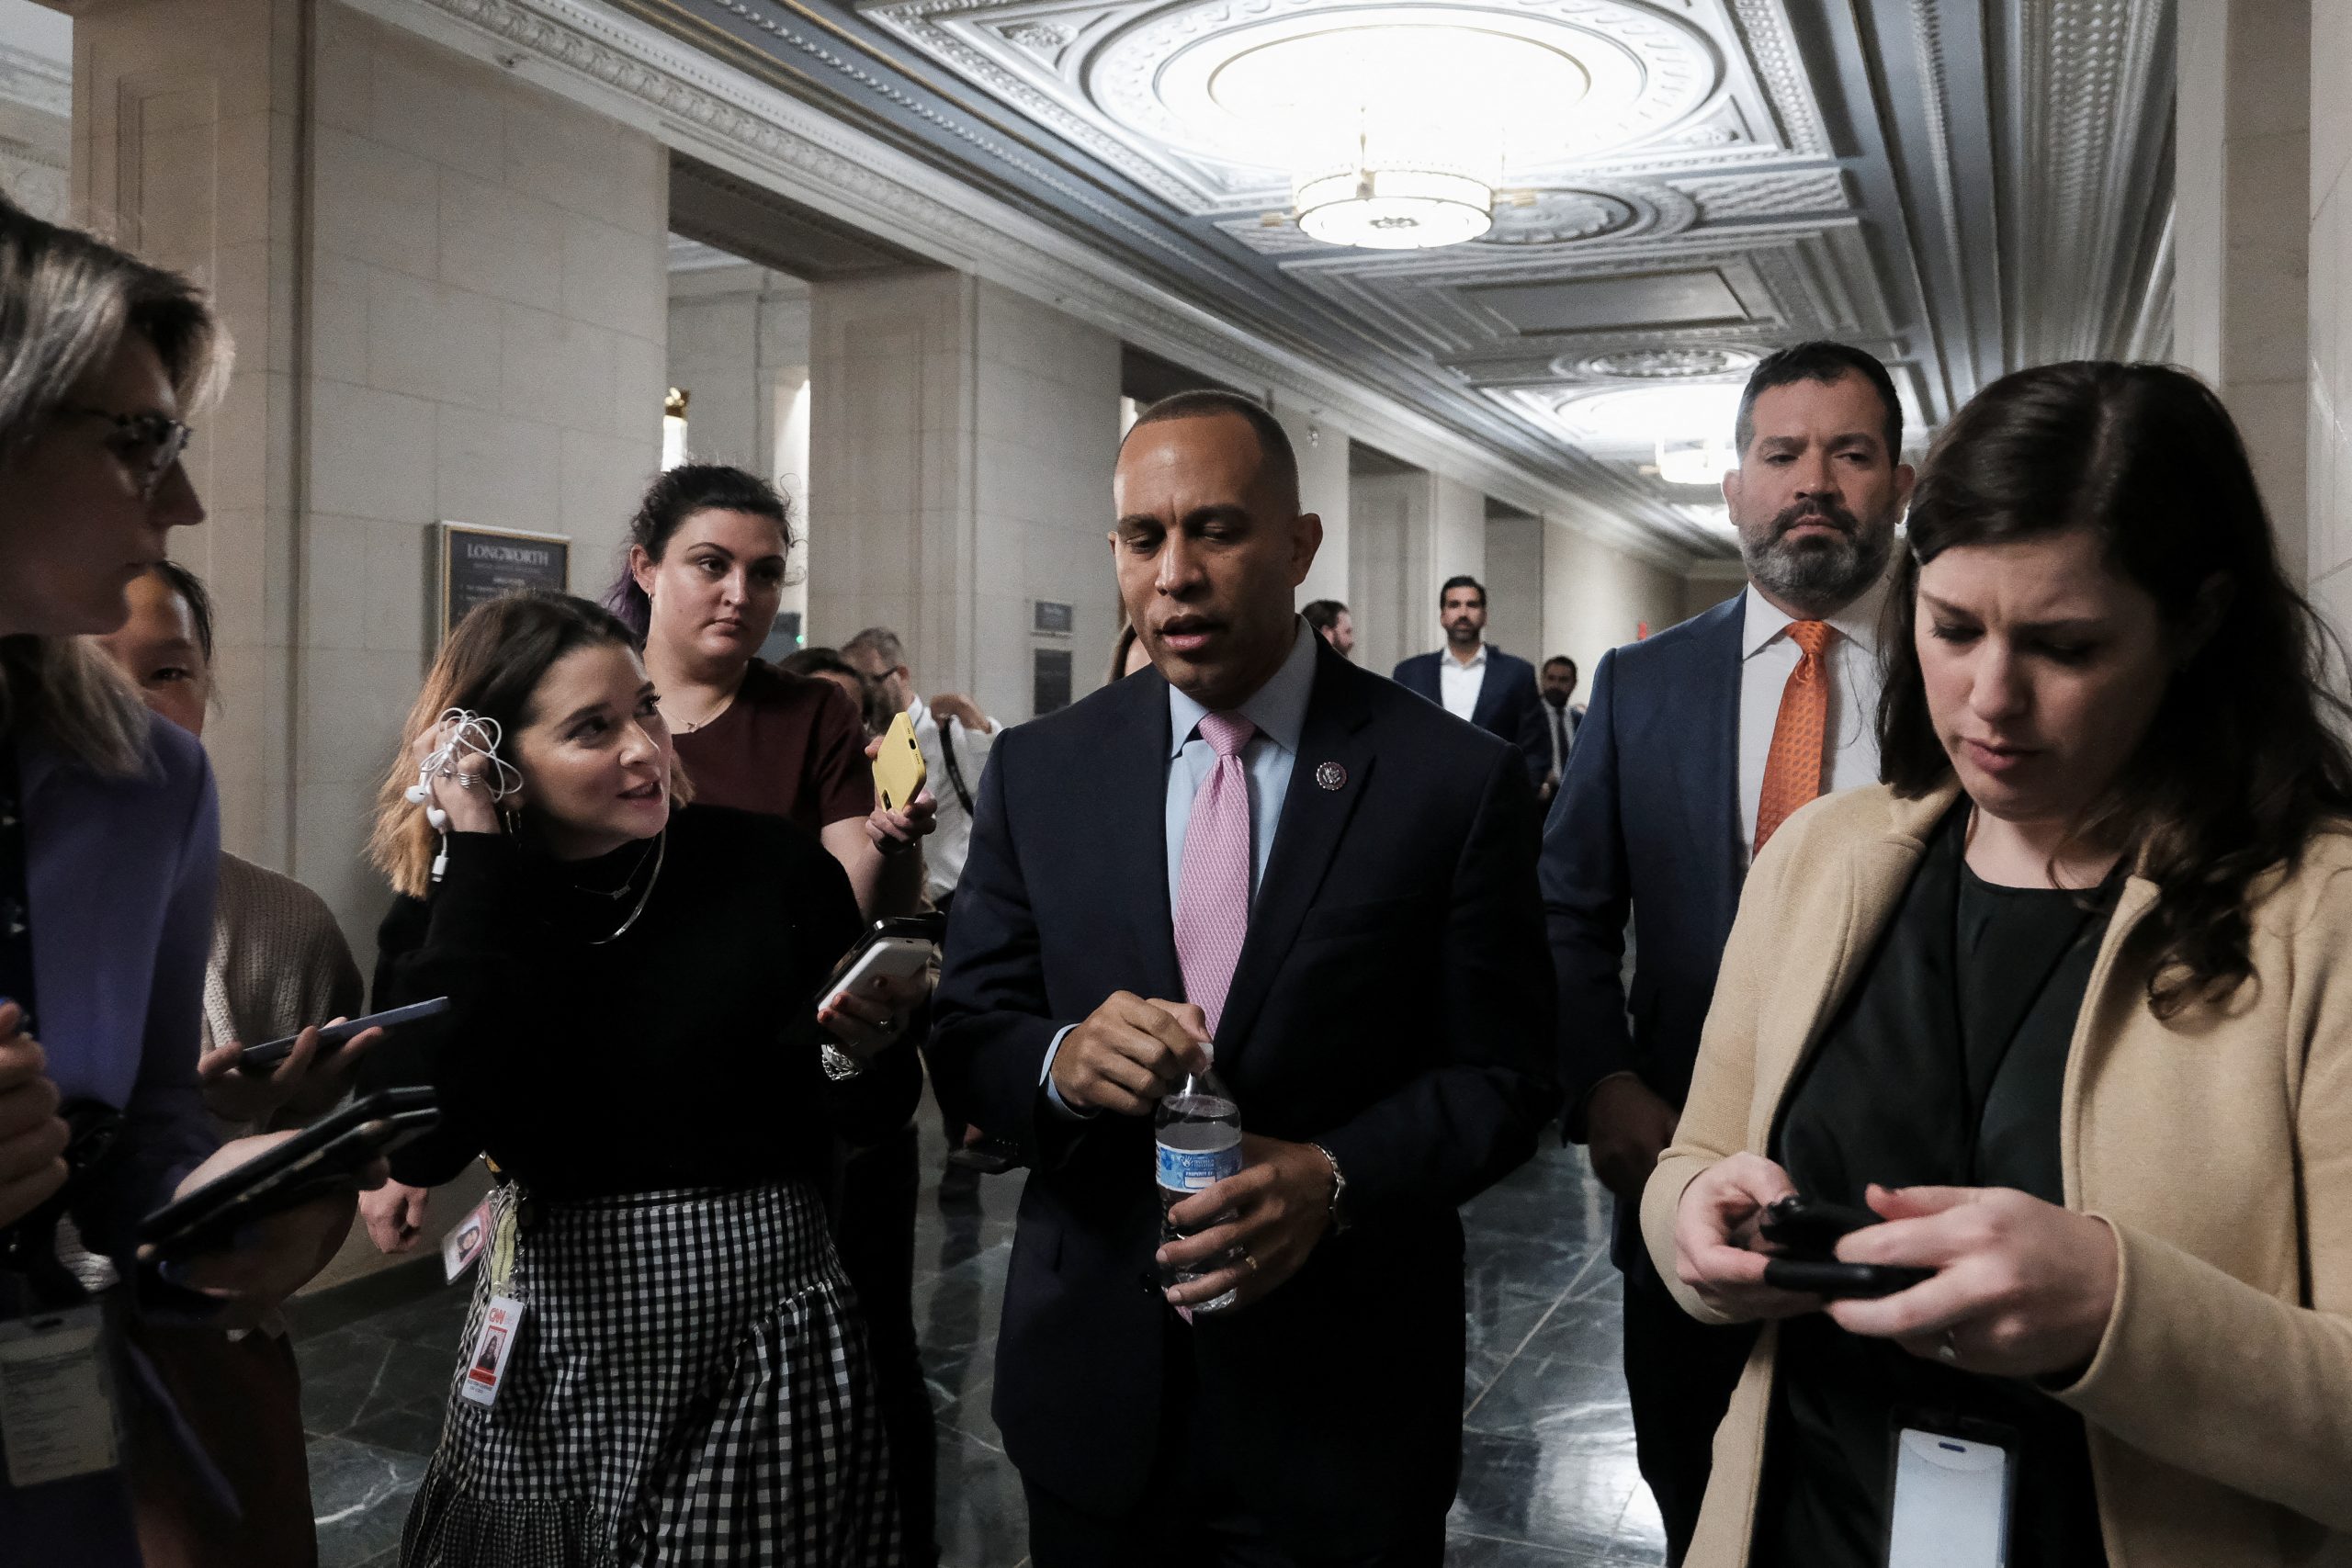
635, 1041
2063, 1006
108, 831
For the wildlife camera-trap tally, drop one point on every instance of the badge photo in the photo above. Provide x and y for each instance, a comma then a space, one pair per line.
486, 1364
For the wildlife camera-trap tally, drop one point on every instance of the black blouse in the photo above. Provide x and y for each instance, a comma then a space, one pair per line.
685, 1053
1945, 1067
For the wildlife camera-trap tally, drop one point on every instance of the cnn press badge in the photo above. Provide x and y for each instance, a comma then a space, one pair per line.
486, 1363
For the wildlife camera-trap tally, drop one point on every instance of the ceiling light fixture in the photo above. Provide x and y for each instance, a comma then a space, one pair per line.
1704, 461
1402, 199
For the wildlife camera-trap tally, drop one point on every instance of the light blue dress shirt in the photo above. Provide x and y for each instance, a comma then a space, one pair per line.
1279, 710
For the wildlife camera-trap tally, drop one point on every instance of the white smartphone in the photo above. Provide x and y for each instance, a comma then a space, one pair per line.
1952, 1501
884, 958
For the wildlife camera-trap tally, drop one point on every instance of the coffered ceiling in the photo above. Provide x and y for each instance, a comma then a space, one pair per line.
1963, 187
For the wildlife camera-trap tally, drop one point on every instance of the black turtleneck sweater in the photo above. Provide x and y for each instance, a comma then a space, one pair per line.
685, 1053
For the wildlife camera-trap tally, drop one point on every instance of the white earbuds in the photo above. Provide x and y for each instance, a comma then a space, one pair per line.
470, 735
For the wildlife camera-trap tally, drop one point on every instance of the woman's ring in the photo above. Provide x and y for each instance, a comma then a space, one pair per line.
1949, 1351
1250, 1260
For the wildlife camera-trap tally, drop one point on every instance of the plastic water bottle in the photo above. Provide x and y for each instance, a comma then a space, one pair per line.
1200, 1145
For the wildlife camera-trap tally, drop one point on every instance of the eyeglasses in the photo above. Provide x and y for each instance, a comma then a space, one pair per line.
145, 444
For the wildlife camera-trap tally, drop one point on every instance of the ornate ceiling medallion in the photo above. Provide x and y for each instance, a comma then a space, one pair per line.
1668, 364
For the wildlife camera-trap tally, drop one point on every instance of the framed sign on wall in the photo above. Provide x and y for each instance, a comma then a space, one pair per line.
478, 564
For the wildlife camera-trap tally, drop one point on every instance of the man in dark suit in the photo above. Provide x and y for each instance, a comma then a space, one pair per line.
1332, 878
1697, 744
1560, 718
1482, 685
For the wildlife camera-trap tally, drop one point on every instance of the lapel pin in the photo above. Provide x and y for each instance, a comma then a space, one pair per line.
1331, 776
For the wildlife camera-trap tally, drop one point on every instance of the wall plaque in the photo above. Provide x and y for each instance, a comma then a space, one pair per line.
478, 564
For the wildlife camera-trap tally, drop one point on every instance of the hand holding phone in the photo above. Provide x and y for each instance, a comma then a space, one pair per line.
1806, 1230
265, 1057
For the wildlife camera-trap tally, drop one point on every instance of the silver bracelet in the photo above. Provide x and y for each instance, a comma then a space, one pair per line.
839, 1064
1338, 1189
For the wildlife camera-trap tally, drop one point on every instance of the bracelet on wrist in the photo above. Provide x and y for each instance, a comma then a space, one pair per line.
1338, 1211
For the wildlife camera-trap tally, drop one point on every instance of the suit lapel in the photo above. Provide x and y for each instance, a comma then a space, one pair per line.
1137, 848
1314, 819
1482, 712
1713, 777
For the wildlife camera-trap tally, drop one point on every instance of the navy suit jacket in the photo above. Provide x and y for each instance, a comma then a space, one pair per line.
1647, 820
1392, 1002
1509, 704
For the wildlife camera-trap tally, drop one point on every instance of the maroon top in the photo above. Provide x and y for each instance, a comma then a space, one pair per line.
787, 746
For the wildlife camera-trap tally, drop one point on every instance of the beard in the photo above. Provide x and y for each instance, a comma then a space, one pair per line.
1817, 572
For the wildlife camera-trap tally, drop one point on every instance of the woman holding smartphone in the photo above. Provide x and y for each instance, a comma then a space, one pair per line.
109, 837
2063, 1007
631, 1041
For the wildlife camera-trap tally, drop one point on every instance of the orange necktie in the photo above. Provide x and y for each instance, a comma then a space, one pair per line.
1793, 768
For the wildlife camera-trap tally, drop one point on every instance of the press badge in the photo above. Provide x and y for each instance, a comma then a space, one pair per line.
57, 1416
467, 1241
1953, 1489
486, 1363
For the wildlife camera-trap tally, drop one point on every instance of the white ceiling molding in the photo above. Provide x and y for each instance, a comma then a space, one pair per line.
695, 103
1129, 81
2090, 81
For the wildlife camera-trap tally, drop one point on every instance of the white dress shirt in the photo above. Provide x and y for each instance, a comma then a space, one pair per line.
1769, 658
951, 840
1458, 684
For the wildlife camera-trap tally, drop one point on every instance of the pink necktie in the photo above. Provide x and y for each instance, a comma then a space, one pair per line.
1213, 886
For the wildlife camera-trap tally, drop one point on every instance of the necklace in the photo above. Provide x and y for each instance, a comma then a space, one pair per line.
661, 850
616, 893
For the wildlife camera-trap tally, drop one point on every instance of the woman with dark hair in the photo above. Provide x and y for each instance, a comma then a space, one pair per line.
707, 553
631, 1041
707, 560
2061, 1009
109, 837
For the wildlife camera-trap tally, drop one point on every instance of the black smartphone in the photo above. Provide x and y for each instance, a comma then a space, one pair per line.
327, 1155
1841, 1281
1809, 1228
265, 1058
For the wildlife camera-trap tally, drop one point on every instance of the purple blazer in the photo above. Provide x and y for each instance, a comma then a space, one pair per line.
119, 878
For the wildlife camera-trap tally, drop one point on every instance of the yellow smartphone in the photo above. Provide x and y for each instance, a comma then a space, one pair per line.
898, 772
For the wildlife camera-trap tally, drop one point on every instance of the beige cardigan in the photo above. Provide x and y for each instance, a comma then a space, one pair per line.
2218, 1145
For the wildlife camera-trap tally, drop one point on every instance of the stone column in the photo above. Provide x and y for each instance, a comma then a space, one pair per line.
2243, 233
961, 443
188, 145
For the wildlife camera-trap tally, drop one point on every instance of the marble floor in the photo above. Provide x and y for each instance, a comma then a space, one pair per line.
1547, 1478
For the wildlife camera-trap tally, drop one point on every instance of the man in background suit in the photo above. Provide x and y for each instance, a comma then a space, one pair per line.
1698, 743
1559, 718
1482, 685
1221, 848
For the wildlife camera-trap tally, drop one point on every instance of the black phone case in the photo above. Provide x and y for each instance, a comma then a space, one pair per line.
1806, 1228
342, 1142
1840, 1281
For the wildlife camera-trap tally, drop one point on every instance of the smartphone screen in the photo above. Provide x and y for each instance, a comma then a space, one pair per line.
1951, 1503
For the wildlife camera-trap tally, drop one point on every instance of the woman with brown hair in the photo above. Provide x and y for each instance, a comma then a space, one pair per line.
2062, 1008
633, 1042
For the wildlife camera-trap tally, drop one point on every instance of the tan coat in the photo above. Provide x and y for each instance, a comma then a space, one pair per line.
2219, 1147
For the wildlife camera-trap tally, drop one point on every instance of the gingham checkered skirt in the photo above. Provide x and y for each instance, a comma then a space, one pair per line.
690, 1385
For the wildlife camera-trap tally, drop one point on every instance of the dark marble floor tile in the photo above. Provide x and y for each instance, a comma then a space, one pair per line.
411, 1428
1548, 1396
1528, 1263
983, 1522
1641, 1535
1484, 1551
1498, 1319
360, 1495
1527, 1489
1589, 1330
436, 1323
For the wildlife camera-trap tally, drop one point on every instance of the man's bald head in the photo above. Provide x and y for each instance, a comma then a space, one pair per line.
1278, 458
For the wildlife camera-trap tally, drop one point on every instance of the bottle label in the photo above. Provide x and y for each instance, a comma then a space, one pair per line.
1196, 1170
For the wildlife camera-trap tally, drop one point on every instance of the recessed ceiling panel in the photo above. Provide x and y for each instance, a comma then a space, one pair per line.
1664, 299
